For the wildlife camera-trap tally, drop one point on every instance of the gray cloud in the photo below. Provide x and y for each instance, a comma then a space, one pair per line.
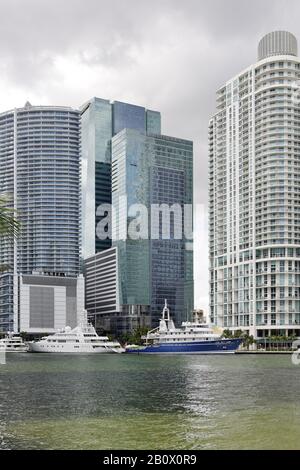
169, 55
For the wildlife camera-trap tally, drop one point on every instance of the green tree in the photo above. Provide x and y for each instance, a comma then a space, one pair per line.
239, 334
247, 339
135, 337
227, 334
24, 335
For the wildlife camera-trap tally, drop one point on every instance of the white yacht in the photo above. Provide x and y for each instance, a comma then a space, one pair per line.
13, 343
81, 339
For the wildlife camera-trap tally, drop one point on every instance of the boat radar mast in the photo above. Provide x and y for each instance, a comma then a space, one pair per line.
166, 323
166, 312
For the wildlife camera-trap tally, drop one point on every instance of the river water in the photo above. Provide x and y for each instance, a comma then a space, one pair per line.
50, 401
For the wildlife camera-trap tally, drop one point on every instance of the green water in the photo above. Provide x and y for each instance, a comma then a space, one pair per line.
149, 402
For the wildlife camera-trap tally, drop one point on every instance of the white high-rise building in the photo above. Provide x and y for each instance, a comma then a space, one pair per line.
40, 176
254, 194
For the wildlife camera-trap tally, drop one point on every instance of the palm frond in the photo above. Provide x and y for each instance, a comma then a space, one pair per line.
4, 268
9, 225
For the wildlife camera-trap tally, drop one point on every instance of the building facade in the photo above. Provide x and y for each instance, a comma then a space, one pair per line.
101, 287
254, 195
40, 174
149, 171
100, 121
102, 296
49, 303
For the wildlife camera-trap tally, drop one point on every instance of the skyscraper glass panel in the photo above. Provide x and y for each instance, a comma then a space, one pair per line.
100, 121
151, 170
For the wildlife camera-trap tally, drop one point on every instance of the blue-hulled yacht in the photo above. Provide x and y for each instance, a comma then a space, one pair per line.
192, 338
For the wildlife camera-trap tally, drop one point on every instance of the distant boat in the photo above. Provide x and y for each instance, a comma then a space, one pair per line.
82, 339
13, 343
192, 338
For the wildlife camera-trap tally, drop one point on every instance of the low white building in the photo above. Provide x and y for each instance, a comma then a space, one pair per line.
48, 303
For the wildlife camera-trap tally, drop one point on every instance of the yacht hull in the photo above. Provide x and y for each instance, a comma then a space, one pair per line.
10, 350
225, 346
69, 349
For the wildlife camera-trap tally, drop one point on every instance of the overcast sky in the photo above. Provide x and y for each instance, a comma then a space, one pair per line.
168, 55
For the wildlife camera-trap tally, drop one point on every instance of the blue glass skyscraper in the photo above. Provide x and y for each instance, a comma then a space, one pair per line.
126, 161
100, 121
150, 171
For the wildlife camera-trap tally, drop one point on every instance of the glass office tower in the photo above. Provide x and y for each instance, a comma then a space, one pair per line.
39, 173
254, 204
150, 170
100, 121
